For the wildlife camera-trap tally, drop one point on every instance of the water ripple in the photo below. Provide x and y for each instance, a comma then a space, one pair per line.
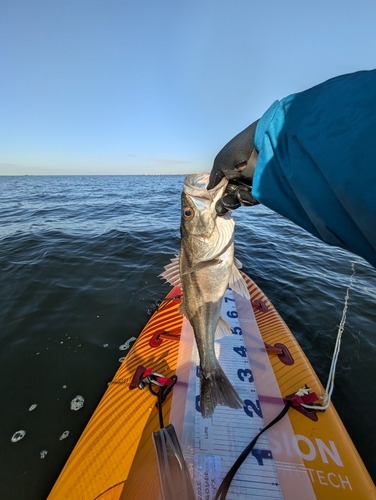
79, 265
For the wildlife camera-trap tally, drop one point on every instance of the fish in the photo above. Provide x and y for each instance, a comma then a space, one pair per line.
204, 268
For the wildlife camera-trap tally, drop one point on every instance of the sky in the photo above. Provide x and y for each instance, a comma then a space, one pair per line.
159, 86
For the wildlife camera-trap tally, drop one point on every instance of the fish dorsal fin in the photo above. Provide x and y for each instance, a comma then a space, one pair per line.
223, 329
172, 272
237, 283
225, 236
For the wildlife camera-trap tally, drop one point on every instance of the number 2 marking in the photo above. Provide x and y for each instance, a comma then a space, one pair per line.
255, 407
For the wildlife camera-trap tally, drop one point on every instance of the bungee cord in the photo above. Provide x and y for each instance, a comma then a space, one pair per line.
326, 397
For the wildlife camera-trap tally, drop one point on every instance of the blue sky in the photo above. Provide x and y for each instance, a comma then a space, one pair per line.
159, 86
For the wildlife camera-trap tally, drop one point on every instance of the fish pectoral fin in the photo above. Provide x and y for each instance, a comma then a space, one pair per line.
237, 283
181, 309
223, 329
172, 272
201, 265
237, 263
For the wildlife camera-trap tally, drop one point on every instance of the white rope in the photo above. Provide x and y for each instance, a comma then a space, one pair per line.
326, 397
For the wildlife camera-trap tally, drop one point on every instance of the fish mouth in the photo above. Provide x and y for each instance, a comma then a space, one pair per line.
200, 199
195, 187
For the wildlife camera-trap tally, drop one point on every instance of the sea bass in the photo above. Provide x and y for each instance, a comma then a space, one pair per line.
203, 270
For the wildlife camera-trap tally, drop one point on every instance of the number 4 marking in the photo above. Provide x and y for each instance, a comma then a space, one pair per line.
242, 351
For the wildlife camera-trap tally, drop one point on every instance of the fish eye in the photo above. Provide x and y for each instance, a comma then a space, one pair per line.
188, 213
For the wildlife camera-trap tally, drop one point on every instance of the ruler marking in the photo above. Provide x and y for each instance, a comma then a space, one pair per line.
224, 436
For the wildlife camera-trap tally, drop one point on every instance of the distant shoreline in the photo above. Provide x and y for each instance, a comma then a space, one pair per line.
93, 175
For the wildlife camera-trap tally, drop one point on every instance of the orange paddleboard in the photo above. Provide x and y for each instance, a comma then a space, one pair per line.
306, 455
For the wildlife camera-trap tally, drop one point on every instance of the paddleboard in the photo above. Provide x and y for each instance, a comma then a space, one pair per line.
305, 455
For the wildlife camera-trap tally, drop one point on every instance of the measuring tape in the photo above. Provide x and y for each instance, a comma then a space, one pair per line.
212, 445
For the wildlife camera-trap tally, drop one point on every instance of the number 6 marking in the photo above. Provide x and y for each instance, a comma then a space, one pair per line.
232, 314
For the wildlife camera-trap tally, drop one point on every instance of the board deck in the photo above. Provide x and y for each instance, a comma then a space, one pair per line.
305, 456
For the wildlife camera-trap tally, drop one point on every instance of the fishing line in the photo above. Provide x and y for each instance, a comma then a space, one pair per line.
326, 397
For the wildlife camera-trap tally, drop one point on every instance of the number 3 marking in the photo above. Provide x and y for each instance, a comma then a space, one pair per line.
247, 373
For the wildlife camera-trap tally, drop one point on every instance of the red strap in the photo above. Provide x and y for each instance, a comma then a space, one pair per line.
162, 380
165, 381
306, 399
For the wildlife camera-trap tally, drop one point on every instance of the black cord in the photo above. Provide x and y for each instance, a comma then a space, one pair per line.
162, 394
225, 485
160, 414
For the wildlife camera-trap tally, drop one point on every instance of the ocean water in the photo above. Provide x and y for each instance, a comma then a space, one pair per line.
79, 265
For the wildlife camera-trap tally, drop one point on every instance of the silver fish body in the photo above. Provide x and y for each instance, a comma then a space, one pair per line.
206, 266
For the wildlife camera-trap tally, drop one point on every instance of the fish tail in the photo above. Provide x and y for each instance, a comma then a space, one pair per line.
216, 389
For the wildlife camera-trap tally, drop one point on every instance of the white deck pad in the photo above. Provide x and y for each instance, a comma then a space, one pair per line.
211, 446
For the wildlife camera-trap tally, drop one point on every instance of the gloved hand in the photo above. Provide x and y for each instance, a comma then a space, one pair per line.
236, 161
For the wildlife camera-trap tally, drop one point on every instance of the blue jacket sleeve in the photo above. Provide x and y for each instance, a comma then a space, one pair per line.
317, 161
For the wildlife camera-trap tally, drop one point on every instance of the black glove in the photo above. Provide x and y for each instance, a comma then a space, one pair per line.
237, 162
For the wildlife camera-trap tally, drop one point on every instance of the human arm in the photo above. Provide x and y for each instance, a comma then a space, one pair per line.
316, 161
